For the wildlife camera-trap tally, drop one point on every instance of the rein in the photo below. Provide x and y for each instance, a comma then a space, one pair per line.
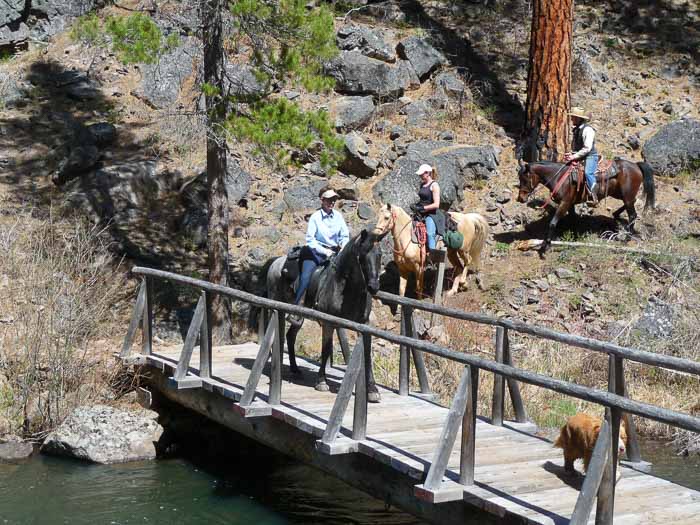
558, 184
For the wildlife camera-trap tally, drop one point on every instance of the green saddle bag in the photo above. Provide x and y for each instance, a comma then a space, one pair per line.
453, 239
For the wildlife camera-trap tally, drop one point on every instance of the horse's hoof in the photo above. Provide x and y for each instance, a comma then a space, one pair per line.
322, 386
374, 397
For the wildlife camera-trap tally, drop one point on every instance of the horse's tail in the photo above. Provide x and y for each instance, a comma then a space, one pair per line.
649, 187
481, 233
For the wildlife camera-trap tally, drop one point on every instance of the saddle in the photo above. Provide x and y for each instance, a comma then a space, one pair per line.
605, 171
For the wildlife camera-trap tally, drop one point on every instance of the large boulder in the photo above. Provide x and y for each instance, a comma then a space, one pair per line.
11, 11
457, 164
357, 74
369, 42
423, 57
302, 195
14, 451
452, 85
674, 147
240, 81
352, 113
104, 434
357, 161
161, 82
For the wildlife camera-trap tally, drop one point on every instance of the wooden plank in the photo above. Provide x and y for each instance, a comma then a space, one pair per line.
185, 382
341, 445
513, 386
257, 368
205, 343
136, 316
275, 391
589, 489
468, 444
359, 420
404, 355
255, 409
498, 380
343, 396
449, 434
147, 319
191, 339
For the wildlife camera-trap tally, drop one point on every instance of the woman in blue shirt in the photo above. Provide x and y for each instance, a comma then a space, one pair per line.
326, 234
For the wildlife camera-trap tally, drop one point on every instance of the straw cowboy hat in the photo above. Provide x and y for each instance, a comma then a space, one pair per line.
579, 112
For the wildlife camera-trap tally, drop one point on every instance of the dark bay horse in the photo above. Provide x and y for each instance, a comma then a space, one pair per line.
624, 186
343, 287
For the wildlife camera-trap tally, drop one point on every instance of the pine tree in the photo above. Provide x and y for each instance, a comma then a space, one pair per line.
549, 80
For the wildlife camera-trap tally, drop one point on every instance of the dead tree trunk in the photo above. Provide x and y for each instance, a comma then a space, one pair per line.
218, 212
548, 80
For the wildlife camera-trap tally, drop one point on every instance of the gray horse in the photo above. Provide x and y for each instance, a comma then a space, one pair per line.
343, 287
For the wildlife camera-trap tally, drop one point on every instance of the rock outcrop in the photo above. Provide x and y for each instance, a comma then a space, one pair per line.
674, 147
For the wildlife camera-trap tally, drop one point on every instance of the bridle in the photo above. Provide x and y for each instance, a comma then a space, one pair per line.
546, 183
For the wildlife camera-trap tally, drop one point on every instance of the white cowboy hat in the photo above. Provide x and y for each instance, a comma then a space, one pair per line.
579, 112
329, 194
424, 168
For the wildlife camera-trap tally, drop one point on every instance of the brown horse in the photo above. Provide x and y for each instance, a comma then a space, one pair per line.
623, 186
407, 254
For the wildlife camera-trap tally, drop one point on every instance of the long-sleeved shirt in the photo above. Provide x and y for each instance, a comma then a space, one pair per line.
325, 231
588, 136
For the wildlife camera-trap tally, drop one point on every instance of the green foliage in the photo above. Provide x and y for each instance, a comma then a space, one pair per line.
137, 38
87, 30
6, 56
279, 121
558, 412
290, 44
501, 247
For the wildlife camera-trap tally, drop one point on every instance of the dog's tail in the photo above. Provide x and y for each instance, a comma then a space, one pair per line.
563, 437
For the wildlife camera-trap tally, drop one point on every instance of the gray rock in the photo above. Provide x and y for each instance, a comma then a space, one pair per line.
242, 82
77, 85
11, 11
12, 94
423, 57
238, 182
161, 82
103, 133
303, 193
104, 434
668, 108
14, 35
386, 11
14, 451
658, 319
366, 40
352, 113
456, 164
80, 160
356, 161
357, 74
564, 273
451, 85
446, 135
634, 142
417, 113
582, 72
365, 211
194, 226
396, 132
674, 147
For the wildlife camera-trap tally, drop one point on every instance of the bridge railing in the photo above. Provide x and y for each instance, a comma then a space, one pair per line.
463, 409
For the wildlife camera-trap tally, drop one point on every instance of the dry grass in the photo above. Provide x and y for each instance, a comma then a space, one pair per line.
59, 285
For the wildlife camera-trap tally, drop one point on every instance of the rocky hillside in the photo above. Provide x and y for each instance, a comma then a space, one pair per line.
416, 81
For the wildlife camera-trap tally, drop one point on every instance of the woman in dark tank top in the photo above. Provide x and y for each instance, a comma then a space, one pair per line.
429, 200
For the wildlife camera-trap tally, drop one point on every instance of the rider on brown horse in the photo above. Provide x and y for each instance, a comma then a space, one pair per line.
584, 148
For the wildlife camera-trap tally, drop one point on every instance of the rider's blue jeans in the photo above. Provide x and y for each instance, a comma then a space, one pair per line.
590, 167
308, 265
431, 230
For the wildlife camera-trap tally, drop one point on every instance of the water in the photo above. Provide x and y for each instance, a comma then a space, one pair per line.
48, 491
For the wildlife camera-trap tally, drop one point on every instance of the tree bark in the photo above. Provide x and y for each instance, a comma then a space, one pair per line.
218, 213
549, 80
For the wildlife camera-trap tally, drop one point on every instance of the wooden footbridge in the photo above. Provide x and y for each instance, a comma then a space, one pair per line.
443, 465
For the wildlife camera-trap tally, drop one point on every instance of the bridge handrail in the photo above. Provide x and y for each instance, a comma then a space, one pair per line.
640, 356
663, 415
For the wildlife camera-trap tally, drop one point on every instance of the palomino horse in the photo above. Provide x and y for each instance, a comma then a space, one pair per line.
623, 186
343, 287
407, 254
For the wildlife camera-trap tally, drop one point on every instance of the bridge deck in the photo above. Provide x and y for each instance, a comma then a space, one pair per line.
517, 474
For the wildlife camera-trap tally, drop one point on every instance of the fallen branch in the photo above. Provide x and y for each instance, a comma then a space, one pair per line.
533, 244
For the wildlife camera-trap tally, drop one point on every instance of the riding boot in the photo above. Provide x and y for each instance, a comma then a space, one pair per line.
593, 197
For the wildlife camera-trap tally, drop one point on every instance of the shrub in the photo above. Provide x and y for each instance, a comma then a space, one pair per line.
137, 38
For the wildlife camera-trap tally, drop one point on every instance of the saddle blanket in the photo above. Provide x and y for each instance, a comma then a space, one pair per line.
606, 170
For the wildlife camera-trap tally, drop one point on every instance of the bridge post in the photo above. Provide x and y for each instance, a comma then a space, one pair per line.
205, 338
275, 392
605, 509
634, 454
591, 483
498, 381
359, 420
136, 316
257, 369
404, 351
147, 326
193, 331
449, 433
467, 456
513, 386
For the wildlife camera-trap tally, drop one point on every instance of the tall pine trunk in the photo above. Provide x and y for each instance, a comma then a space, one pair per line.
549, 80
218, 212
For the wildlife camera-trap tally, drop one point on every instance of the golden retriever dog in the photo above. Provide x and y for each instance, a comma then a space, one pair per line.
578, 437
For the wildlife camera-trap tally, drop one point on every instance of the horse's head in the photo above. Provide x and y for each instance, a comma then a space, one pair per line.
385, 221
370, 256
528, 181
